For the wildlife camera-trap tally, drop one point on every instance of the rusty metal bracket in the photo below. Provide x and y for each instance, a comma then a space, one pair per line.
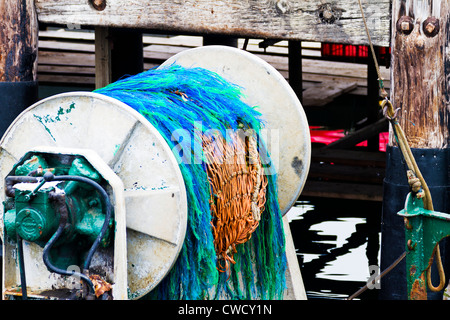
424, 229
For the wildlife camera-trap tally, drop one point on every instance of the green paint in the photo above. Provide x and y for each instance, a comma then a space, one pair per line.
116, 148
52, 119
424, 229
36, 218
29, 165
40, 119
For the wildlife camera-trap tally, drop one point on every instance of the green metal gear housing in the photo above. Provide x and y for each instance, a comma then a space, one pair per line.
35, 217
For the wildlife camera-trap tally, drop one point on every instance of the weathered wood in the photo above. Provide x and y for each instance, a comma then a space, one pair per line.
18, 41
420, 89
295, 67
311, 20
420, 69
340, 190
103, 73
349, 157
337, 172
326, 92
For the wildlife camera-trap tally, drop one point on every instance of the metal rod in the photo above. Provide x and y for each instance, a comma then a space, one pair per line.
392, 266
23, 280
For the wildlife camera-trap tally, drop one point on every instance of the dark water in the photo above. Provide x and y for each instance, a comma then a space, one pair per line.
337, 243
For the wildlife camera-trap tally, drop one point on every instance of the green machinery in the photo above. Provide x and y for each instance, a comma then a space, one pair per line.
68, 214
424, 229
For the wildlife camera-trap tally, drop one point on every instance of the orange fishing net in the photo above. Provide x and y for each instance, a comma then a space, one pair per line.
238, 190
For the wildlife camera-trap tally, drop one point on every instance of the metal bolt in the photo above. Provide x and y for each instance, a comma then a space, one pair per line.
405, 25
98, 4
407, 223
328, 14
431, 26
282, 6
410, 245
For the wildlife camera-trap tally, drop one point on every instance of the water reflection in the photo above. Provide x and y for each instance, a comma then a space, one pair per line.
336, 241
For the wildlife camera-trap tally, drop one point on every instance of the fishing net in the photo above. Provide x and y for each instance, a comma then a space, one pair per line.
234, 246
238, 191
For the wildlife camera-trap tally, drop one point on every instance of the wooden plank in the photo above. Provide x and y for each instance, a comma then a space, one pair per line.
66, 70
66, 79
326, 92
347, 173
341, 190
66, 46
324, 21
360, 135
66, 59
349, 157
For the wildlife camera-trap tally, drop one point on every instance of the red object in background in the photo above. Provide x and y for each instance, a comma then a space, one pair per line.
344, 50
337, 50
326, 137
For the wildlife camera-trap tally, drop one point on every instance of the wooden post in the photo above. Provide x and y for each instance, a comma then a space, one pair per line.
102, 57
373, 108
420, 70
18, 58
420, 66
295, 67
18, 40
118, 53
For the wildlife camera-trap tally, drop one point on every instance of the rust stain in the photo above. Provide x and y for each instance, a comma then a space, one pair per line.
418, 290
100, 285
412, 270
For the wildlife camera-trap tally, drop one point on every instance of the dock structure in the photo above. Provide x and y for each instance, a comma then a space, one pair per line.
67, 58
79, 41
290, 35
92, 43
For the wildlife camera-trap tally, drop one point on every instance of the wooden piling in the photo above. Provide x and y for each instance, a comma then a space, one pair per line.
18, 41
18, 58
420, 70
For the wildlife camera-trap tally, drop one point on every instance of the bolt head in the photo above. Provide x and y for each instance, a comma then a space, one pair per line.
405, 25
431, 26
99, 5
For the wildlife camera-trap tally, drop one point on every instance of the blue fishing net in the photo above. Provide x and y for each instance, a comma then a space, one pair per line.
192, 101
